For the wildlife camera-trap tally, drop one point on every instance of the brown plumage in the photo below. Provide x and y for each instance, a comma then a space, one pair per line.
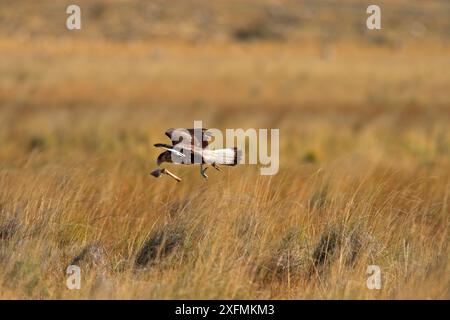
187, 148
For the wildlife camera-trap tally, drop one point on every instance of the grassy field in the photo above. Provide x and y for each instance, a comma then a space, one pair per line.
364, 150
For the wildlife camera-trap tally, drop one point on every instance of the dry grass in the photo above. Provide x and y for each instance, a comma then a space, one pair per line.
364, 176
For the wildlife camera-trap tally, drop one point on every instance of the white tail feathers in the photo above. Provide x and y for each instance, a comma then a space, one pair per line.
229, 156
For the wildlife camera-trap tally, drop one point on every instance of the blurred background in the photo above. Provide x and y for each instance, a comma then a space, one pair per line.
364, 147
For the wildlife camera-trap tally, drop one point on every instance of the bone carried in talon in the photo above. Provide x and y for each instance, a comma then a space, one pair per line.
203, 172
158, 171
186, 146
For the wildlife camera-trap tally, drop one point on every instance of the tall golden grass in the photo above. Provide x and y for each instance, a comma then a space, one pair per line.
364, 174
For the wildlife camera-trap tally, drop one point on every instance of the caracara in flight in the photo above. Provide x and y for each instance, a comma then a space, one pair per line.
190, 147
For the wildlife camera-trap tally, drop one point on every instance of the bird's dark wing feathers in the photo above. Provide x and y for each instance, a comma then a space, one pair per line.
187, 135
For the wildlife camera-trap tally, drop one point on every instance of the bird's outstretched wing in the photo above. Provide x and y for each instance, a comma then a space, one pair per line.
187, 136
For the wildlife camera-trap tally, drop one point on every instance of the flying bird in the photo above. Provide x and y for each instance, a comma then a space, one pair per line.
188, 148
